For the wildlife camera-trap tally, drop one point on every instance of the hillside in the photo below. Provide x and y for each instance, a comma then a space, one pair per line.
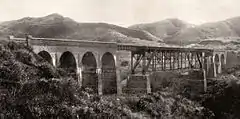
175, 31
163, 29
221, 43
57, 26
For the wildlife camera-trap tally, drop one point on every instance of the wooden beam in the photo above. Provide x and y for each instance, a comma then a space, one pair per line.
139, 58
144, 58
149, 62
189, 61
199, 60
181, 60
154, 61
163, 66
170, 60
204, 72
132, 55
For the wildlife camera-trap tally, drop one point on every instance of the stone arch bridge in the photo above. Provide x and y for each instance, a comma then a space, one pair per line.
97, 64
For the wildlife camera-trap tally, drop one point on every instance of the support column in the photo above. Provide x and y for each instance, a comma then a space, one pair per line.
185, 65
132, 62
192, 62
219, 65
178, 60
79, 74
144, 60
214, 67
148, 84
79, 69
99, 73
204, 72
208, 64
174, 60
166, 60
170, 60
225, 58
163, 60
118, 75
195, 60
154, 61
54, 59
186, 61
181, 60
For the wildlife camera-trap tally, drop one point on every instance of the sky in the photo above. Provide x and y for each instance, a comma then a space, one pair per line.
123, 12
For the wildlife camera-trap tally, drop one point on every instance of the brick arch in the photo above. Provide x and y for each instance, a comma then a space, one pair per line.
109, 73
68, 63
46, 56
89, 74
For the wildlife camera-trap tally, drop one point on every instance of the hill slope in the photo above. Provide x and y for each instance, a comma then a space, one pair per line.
175, 31
57, 26
163, 29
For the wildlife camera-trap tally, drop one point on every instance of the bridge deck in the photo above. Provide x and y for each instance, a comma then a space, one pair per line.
120, 46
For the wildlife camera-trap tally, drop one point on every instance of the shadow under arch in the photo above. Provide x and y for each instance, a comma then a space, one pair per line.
68, 63
222, 62
46, 56
109, 74
89, 74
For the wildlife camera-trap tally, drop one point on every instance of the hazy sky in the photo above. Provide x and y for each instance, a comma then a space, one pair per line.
123, 12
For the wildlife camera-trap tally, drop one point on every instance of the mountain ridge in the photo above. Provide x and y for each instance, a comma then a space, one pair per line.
169, 31
57, 26
188, 34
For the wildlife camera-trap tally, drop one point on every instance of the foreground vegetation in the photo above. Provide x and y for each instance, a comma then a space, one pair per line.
32, 88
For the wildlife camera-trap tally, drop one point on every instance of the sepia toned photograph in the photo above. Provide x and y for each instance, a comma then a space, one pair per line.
119, 59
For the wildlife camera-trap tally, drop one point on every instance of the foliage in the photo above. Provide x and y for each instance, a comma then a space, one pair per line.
166, 105
223, 97
31, 88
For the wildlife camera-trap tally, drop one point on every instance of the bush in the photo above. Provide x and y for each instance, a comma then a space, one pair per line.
223, 97
166, 105
46, 70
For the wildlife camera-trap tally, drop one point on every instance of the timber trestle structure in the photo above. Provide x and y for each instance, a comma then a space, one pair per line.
148, 59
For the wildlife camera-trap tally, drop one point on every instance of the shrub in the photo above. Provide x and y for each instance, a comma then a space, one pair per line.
223, 97
166, 105
46, 70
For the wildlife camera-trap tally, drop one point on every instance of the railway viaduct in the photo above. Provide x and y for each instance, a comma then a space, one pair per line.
97, 64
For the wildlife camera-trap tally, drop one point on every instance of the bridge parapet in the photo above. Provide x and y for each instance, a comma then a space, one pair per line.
64, 42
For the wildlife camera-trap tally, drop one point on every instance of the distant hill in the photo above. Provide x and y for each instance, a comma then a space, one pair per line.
221, 43
164, 29
57, 26
169, 31
175, 31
